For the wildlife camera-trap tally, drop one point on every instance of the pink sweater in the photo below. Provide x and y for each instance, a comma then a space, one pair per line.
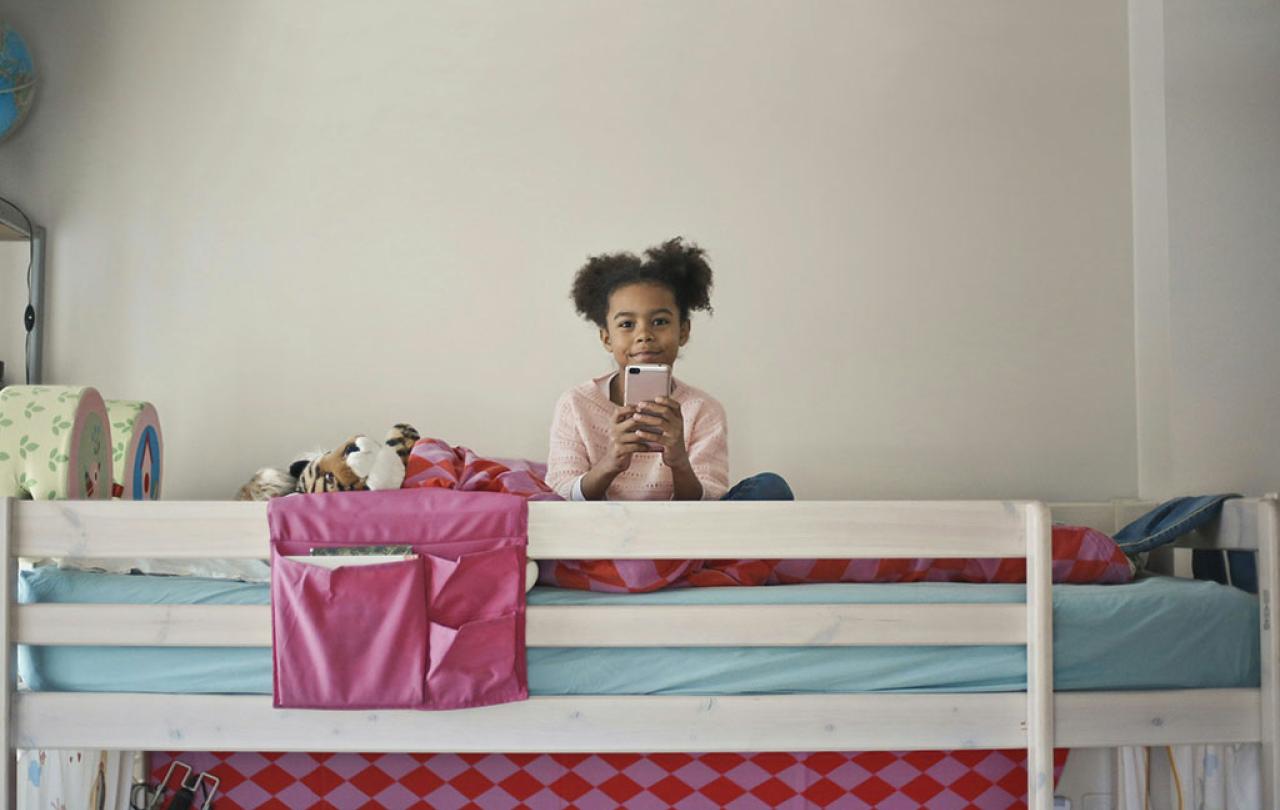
580, 437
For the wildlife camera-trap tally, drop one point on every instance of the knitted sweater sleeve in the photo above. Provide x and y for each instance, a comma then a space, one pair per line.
709, 450
568, 457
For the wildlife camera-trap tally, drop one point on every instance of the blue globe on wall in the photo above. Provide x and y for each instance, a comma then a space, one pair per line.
17, 81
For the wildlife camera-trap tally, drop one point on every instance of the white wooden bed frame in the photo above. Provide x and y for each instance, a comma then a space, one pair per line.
1037, 719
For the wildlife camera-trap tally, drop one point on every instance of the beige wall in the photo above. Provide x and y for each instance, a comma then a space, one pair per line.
1207, 245
284, 222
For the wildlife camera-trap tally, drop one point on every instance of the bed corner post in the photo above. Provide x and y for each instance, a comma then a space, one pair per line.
8, 763
1039, 530
1269, 627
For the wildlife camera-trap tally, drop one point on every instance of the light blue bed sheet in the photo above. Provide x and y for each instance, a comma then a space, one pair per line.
1157, 633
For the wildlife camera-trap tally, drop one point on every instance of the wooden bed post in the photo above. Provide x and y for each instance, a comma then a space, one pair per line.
1039, 657
1269, 626
8, 763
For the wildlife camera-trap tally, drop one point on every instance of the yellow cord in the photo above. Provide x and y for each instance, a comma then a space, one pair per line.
1177, 781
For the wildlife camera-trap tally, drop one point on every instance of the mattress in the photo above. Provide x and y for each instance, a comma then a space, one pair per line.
1155, 633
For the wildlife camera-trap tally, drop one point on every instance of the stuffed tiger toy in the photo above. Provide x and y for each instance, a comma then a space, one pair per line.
360, 463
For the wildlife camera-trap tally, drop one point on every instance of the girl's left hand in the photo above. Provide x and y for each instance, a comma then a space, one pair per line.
664, 415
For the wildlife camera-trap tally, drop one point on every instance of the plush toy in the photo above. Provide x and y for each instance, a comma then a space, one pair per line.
360, 463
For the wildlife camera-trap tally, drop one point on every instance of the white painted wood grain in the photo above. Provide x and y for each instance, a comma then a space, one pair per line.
542, 724
798, 529
631, 723
1164, 717
168, 529
144, 625
237, 530
612, 530
776, 625
1268, 524
635, 530
1039, 657
9, 574
561, 626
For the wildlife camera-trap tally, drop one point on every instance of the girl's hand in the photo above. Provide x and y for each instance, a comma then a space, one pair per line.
663, 415
623, 441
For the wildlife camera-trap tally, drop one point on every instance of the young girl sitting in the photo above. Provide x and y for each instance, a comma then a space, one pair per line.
642, 308
600, 448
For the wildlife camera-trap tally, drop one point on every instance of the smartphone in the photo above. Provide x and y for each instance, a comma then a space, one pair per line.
645, 383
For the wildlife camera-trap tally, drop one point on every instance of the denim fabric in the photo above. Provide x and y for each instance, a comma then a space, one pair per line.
762, 487
1169, 521
1239, 568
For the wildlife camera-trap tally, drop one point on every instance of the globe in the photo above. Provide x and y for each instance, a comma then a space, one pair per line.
17, 81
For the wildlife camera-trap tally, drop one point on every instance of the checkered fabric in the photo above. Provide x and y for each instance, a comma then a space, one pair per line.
1080, 556
436, 463
936, 780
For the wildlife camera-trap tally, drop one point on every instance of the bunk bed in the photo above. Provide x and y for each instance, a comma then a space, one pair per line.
1031, 714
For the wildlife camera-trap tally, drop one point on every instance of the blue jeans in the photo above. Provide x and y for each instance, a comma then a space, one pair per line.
1171, 520
762, 487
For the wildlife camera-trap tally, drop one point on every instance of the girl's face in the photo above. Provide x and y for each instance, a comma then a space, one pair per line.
643, 325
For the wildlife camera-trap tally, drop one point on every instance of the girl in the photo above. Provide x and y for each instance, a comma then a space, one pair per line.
599, 447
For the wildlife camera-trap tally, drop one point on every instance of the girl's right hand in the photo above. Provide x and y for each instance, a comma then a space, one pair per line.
624, 440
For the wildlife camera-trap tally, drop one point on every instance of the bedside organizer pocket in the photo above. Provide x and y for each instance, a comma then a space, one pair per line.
480, 585
349, 637
398, 599
474, 665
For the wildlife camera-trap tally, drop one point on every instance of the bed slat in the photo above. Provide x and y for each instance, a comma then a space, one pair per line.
561, 626
540, 724
1267, 514
1039, 657
788, 530
612, 530
8, 661
169, 529
1166, 717
637, 723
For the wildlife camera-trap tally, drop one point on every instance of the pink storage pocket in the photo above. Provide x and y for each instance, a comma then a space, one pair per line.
353, 637
475, 664
475, 606
481, 585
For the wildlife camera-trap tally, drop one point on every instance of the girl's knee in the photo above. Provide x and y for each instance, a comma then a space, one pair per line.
774, 487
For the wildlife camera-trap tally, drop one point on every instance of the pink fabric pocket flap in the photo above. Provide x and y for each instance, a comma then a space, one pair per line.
481, 585
474, 665
444, 630
353, 637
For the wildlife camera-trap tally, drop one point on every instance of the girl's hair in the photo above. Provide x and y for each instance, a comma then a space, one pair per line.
680, 267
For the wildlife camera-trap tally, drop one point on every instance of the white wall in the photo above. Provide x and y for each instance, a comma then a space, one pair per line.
284, 222
1207, 244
